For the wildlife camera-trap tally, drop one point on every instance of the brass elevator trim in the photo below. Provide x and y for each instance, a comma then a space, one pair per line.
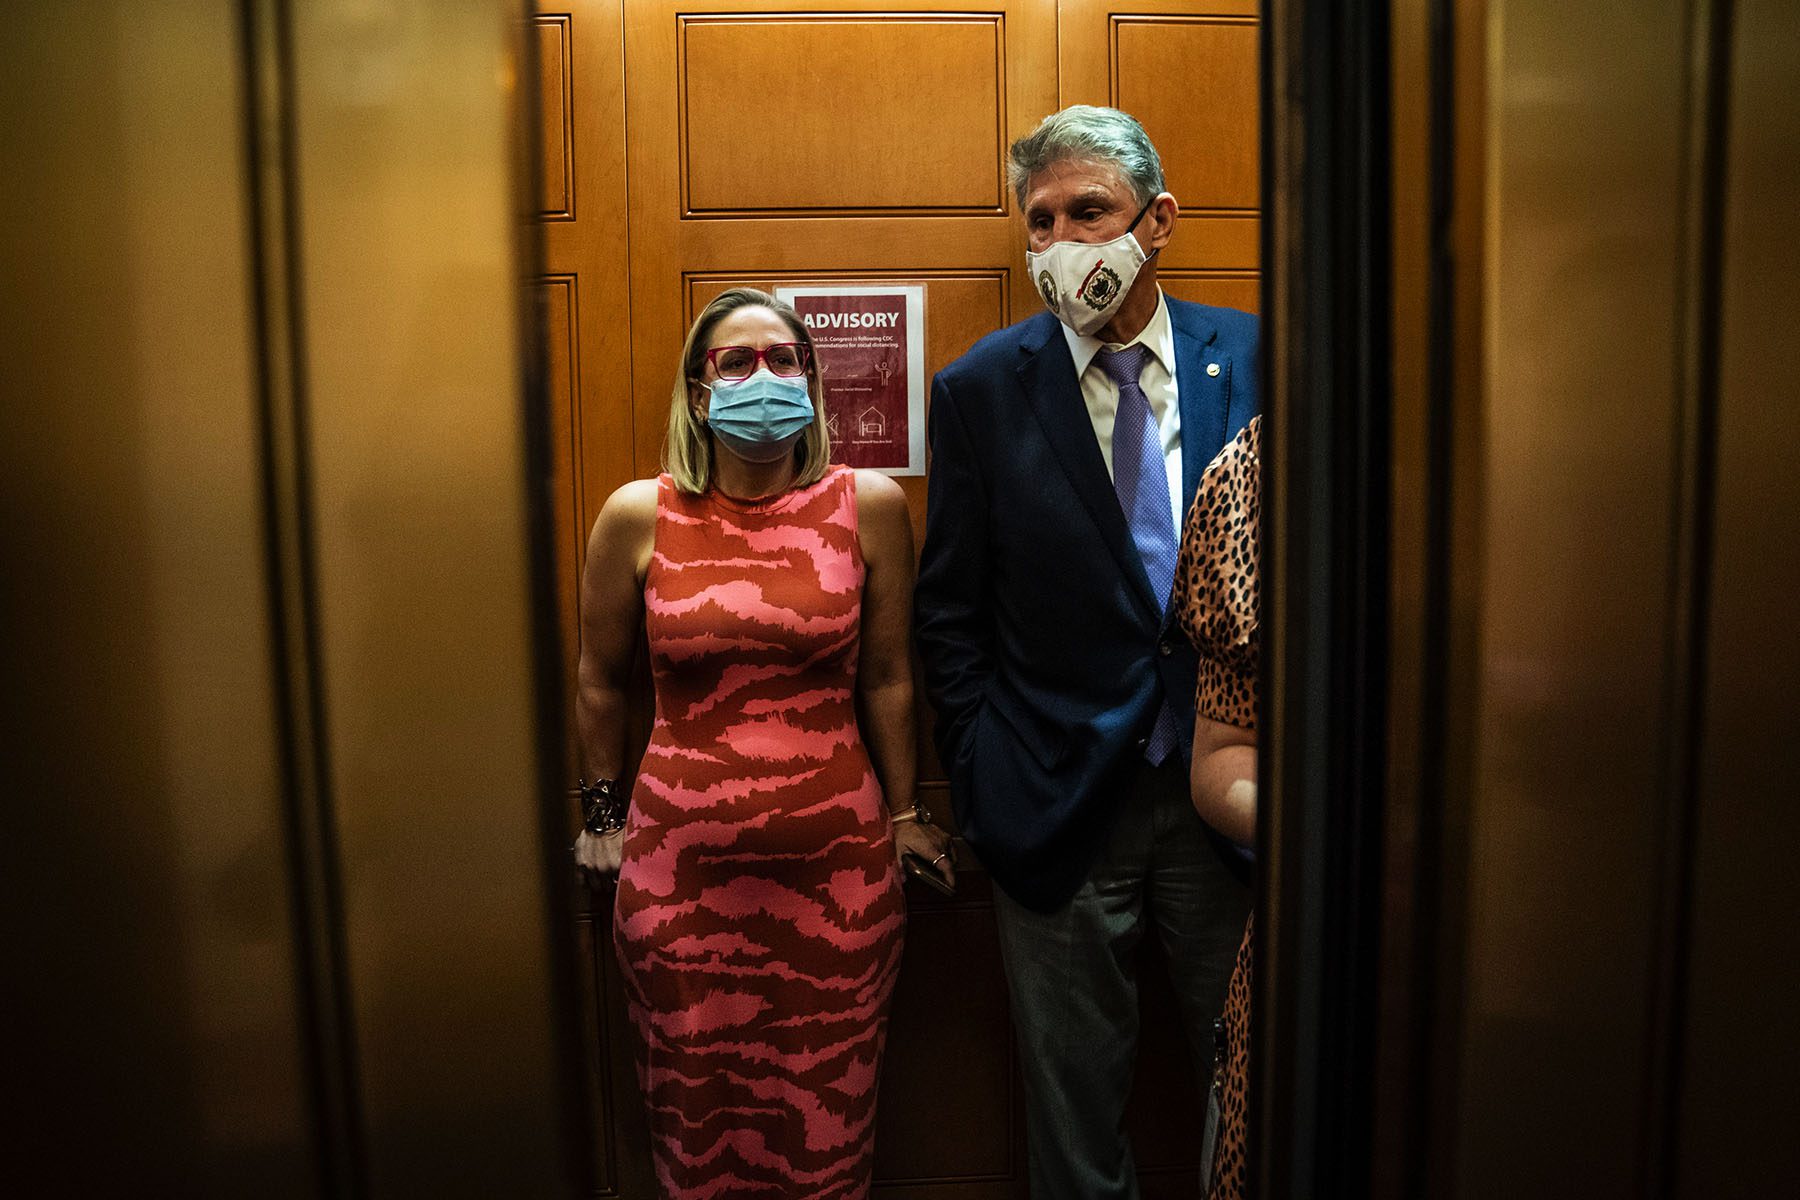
1455, 182
1699, 299
328, 1037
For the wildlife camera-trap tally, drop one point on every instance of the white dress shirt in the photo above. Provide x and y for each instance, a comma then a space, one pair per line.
1158, 382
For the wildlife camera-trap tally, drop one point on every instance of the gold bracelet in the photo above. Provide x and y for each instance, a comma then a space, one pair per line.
915, 813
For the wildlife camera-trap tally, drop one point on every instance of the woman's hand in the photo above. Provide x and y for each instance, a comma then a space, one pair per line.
598, 855
929, 843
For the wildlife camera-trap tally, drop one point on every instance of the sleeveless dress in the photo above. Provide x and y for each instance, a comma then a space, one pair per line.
759, 914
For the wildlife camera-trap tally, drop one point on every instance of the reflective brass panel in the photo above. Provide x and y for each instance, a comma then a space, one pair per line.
407, 237
1580, 348
151, 988
1736, 1114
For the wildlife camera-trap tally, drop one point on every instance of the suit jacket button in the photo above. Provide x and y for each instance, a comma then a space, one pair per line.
1142, 742
1165, 648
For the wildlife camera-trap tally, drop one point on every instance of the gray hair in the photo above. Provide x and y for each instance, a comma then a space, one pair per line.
1082, 131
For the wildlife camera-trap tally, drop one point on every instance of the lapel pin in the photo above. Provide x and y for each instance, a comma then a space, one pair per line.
1212, 368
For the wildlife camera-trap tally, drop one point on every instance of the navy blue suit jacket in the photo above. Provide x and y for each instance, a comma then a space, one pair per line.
1045, 652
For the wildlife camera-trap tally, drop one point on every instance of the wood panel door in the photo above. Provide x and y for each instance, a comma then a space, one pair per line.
849, 142
1204, 126
688, 148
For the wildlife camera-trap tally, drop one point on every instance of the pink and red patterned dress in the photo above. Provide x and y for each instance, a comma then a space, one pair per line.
759, 915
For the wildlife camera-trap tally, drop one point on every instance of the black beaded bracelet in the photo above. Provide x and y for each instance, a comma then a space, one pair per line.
602, 806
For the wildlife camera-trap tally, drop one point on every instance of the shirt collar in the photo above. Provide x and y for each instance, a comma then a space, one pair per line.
1157, 335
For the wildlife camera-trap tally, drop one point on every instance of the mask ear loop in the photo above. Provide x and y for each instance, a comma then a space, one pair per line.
705, 417
1140, 216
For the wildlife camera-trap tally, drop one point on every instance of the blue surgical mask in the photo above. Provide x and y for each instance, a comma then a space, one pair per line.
760, 418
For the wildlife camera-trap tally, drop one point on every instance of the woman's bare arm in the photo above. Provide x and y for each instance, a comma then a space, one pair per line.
884, 675
1224, 778
612, 611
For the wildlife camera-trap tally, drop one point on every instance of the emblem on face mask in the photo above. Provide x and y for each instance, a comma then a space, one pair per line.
1047, 286
1099, 288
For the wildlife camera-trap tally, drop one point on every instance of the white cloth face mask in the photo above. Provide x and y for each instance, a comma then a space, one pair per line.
1083, 283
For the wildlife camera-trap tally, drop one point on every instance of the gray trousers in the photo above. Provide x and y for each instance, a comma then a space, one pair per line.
1073, 978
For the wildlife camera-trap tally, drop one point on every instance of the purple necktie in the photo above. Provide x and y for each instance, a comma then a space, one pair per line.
1142, 481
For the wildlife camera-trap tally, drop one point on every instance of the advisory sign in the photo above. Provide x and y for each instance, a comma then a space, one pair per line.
871, 343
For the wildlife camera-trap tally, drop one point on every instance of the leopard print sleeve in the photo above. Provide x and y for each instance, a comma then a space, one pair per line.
1216, 586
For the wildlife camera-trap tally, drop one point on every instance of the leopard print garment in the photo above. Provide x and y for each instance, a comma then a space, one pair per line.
1216, 584
1216, 592
1231, 1081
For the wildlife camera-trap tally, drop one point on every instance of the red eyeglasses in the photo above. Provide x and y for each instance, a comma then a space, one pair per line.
739, 362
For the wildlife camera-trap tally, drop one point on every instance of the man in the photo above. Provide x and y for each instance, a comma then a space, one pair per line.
1064, 452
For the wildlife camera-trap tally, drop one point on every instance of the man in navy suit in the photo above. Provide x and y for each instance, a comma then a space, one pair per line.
1065, 450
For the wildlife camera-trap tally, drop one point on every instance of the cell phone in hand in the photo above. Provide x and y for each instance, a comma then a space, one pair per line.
917, 867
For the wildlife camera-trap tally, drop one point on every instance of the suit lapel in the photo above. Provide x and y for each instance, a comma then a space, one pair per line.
1202, 396
1048, 376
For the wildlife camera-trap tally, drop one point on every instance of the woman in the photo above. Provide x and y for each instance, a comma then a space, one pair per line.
1216, 595
759, 914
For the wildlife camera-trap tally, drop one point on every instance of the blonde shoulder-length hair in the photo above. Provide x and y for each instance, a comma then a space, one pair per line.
687, 451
